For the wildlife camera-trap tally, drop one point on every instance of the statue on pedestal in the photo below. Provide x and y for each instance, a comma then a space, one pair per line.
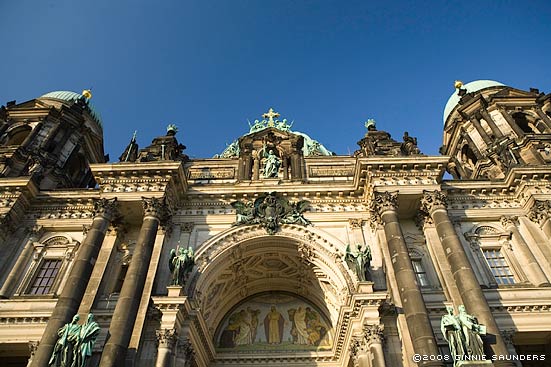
359, 261
180, 263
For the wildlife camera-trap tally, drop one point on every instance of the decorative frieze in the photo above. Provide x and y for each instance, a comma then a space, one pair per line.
331, 171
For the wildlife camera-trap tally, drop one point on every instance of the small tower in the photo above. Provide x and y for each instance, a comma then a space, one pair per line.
490, 128
53, 138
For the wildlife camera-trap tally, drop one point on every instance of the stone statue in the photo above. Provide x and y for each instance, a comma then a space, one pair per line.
472, 331
66, 345
463, 334
87, 337
453, 333
180, 263
409, 146
271, 165
359, 261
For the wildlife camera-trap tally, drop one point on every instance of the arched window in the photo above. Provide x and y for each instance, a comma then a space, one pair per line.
50, 261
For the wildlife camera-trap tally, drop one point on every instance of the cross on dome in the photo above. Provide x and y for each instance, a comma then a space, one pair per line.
270, 116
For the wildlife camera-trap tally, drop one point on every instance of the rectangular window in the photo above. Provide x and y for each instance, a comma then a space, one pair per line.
499, 267
420, 272
45, 277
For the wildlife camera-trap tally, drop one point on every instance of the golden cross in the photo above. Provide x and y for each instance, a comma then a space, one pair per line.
270, 116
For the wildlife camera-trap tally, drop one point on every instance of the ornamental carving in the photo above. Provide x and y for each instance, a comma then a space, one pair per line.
382, 201
155, 207
166, 338
373, 334
355, 222
185, 351
106, 208
508, 222
433, 200
541, 210
271, 210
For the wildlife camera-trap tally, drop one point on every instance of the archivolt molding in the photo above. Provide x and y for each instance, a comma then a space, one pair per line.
308, 258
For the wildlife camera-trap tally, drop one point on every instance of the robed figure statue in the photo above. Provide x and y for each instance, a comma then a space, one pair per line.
180, 263
75, 343
463, 334
359, 261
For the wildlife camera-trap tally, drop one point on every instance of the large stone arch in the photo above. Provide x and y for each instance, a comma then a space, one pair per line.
245, 260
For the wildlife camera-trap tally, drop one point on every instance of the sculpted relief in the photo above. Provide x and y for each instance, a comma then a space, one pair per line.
274, 321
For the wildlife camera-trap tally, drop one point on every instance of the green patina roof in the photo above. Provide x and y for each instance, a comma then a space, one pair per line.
471, 87
69, 96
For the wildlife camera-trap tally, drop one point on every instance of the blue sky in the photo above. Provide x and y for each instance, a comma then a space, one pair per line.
208, 66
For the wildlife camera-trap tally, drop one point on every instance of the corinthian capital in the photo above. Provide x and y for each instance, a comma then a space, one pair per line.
541, 210
107, 208
433, 200
155, 207
383, 201
508, 222
166, 338
373, 334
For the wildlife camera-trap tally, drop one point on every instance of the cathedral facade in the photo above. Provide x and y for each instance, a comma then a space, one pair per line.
278, 252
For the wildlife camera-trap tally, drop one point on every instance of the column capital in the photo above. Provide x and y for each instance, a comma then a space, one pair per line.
166, 338
355, 222
155, 207
540, 211
373, 334
508, 335
509, 221
433, 200
186, 227
35, 233
107, 208
358, 347
33, 346
382, 202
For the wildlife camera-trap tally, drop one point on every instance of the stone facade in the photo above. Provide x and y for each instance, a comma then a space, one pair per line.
269, 222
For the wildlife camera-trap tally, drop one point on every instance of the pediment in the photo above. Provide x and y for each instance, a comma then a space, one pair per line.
512, 92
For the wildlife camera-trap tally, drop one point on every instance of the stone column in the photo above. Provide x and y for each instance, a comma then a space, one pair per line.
19, 266
68, 302
374, 337
122, 322
166, 339
434, 204
184, 353
481, 131
512, 123
486, 116
384, 206
532, 269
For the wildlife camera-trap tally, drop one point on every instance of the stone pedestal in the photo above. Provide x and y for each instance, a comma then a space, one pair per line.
175, 290
365, 287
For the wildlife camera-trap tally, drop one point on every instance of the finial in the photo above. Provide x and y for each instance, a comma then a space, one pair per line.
270, 116
171, 129
458, 84
87, 93
370, 124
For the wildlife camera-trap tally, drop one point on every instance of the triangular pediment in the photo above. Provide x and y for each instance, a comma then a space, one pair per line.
512, 92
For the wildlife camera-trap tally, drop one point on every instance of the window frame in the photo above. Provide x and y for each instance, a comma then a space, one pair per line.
53, 247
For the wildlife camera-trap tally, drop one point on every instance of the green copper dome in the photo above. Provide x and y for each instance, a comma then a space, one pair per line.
471, 87
69, 96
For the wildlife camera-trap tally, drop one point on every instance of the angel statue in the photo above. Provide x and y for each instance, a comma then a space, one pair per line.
295, 215
244, 211
180, 263
359, 261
